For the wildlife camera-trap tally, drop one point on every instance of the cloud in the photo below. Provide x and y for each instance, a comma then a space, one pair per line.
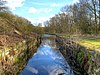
32, 10
37, 20
45, 10
48, 4
45, 18
41, 10
43, 4
75, 1
33, 70
13, 4
54, 4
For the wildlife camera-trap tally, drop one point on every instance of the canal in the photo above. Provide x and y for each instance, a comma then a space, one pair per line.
47, 60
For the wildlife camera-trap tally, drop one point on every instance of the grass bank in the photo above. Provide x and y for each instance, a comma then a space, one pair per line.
15, 51
83, 58
91, 42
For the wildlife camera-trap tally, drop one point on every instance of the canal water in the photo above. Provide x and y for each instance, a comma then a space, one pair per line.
47, 60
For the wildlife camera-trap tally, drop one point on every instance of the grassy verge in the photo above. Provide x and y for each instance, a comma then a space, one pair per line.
90, 42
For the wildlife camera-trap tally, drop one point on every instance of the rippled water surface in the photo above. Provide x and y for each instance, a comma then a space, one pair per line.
48, 60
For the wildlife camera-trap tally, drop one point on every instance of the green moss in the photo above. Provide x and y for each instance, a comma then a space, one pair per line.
88, 55
80, 57
17, 60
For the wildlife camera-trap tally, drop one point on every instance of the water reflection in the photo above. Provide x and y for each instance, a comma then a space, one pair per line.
48, 60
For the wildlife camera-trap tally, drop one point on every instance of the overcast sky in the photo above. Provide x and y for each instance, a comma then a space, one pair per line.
37, 11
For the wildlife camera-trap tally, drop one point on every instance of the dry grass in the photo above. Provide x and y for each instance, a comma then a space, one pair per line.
9, 40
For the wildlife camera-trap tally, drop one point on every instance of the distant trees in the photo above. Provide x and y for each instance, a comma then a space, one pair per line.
81, 18
38, 29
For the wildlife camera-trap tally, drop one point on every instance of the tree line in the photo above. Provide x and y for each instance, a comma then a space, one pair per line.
10, 23
80, 18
